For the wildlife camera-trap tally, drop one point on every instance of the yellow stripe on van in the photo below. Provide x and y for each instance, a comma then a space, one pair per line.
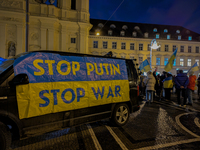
35, 99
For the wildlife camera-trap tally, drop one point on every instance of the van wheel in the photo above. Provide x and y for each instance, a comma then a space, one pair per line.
5, 137
121, 114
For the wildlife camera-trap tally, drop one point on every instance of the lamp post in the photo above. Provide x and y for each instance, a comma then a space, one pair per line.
154, 45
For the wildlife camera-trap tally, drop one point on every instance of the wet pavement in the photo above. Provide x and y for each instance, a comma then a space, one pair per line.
159, 125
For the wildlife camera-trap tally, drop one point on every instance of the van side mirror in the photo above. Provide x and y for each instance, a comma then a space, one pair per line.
19, 80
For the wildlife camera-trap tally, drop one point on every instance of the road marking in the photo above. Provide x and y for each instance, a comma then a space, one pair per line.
169, 144
196, 121
170, 105
94, 138
184, 128
116, 138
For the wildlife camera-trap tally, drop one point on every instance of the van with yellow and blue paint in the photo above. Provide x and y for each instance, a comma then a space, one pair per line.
46, 90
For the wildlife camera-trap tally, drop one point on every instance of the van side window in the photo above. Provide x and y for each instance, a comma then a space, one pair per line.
131, 70
5, 83
130, 77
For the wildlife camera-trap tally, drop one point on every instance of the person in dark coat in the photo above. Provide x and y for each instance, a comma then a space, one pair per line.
181, 82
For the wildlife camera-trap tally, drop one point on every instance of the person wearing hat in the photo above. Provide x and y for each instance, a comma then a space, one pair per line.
190, 87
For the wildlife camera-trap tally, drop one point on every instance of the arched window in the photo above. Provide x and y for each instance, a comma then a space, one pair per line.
165, 30
124, 27
177, 31
137, 28
155, 30
112, 26
100, 25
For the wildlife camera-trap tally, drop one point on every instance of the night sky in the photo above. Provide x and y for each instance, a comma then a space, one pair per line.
184, 13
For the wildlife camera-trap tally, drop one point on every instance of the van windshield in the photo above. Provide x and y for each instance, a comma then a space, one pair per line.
5, 65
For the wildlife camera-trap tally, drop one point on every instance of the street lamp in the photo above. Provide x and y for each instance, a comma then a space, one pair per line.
154, 45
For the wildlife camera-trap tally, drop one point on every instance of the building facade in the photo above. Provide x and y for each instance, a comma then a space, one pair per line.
133, 40
65, 25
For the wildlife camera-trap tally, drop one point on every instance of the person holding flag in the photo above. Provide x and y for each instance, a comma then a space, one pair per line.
170, 63
194, 68
145, 66
168, 85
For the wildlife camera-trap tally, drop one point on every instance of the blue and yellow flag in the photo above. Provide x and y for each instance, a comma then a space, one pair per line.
145, 66
167, 82
170, 63
2, 60
194, 68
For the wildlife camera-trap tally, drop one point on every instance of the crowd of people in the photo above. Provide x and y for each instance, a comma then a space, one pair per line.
161, 86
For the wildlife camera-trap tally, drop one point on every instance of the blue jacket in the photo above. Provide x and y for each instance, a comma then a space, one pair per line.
181, 80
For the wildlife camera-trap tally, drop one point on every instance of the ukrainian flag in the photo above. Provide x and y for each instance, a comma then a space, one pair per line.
194, 68
2, 60
170, 63
144, 66
167, 82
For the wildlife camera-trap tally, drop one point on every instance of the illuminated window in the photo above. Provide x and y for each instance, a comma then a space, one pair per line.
165, 61
148, 47
165, 30
112, 26
95, 44
197, 60
182, 48
197, 49
105, 44
168, 37
114, 45
174, 48
124, 27
155, 30
158, 61
181, 62
100, 25
179, 37
174, 64
157, 36
177, 31
146, 35
166, 48
73, 40
123, 45
189, 38
189, 62
122, 33
189, 49
134, 34
158, 49
123, 56
132, 46
140, 47
109, 32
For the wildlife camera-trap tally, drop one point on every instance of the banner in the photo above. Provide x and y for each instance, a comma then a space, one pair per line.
61, 83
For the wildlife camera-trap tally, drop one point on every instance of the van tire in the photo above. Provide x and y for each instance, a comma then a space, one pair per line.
120, 114
5, 137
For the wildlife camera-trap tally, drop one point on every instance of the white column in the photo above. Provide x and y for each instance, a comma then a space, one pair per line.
3, 51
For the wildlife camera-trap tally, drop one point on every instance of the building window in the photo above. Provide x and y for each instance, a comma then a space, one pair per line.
131, 57
155, 30
166, 48
174, 64
197, 49
140, 47
168, 37
134, 34
146, 35
114, 45
73, 4
95, 44
157, 36
197, 60
181, 62
105, 44
149, 47
189, 38
109, 32
122, 33
165, 61
177, 31
123, 45
165, 31
123, 56
157, 61
140, 60
179, 37
132, 46
174, 48
182, 48
73, 40
189, 49
158, 49
189, 62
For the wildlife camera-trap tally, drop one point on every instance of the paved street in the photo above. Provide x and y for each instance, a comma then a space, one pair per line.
160, 125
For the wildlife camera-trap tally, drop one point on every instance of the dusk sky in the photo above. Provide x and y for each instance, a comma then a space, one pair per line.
184, 13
